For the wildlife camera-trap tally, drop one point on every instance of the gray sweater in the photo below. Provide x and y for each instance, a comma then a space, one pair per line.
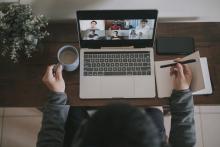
182, 133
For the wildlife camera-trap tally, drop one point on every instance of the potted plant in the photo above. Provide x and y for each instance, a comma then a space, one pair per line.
20, 31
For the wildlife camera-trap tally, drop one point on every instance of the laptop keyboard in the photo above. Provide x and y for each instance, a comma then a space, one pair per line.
117, 63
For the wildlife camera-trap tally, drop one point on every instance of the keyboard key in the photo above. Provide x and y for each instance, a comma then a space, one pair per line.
128, 68
141, 55
144, 73
89, 73
136, 55
116, 60
138, 68
114, 73
100, 73
125, 60
94, 73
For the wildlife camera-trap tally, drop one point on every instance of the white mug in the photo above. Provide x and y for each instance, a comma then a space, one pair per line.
73, 57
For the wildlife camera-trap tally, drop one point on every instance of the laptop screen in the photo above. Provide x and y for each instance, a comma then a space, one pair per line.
116, 28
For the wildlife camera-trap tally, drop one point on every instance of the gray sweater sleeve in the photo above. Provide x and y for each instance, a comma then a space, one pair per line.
53, 124
182, 133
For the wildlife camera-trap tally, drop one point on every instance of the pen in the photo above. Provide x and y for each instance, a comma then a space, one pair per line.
181, 62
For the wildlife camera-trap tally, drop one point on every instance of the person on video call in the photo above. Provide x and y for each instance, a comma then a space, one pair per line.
143, 29
117, 125
115, 26
92, 35
133, 34
93, 25
115, 36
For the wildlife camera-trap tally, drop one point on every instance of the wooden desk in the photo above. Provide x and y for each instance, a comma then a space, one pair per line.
20, 84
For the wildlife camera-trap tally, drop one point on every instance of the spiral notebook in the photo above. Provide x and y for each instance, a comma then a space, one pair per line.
201, 83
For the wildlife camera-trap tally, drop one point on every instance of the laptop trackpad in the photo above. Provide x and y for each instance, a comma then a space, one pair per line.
117, 87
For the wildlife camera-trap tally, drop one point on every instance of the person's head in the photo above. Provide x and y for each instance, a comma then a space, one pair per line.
143, 23
118, 125
115, 33
93, 24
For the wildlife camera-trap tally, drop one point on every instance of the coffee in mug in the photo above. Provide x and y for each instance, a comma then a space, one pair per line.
68, 56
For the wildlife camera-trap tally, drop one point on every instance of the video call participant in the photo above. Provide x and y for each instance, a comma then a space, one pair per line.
115, 36
93, 25
133, 35
143, 29
115, 26
92, 35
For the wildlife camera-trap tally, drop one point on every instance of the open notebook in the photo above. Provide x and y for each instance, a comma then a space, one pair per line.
201, 83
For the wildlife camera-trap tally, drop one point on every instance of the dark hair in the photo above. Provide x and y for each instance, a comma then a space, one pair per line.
116, 32
120, 125
144, 20
94, 21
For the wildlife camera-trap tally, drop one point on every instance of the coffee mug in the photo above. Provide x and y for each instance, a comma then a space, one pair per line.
68, 57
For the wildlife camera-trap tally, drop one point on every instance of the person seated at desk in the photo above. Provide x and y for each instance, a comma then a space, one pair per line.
117, 125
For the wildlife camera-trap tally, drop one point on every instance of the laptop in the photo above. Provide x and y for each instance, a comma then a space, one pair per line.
116, 53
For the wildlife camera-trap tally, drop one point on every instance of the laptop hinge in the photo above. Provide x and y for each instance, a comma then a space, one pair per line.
121, 47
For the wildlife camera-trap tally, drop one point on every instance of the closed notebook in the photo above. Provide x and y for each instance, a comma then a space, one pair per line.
200, 83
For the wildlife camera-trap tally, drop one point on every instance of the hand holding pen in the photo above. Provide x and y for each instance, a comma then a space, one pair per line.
181, 75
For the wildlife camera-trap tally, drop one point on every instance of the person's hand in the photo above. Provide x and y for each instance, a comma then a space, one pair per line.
181, 75
54, 79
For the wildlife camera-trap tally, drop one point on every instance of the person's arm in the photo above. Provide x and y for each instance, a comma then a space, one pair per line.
182, 133
55, 111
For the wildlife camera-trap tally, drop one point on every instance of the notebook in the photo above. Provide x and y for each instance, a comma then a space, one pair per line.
201, 83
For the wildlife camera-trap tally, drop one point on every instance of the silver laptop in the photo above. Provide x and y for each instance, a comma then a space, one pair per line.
116, 55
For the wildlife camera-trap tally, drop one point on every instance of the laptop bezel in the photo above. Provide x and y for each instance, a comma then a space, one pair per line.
116, 14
